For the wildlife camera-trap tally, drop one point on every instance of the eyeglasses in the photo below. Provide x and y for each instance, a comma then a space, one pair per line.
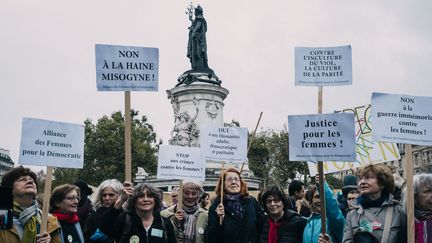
274, 200
232, 179
71, 198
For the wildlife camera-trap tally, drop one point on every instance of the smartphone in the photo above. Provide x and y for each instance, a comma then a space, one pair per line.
6, 204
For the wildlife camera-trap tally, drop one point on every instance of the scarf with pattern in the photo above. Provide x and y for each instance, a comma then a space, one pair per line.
189, 223
29, 218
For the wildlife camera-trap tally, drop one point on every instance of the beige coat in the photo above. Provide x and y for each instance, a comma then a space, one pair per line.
201, 223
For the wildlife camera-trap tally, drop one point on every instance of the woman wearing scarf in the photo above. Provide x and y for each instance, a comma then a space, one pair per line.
281, 224
423, 207
377, 217
188, 218
26, 214
107, 194
236, 220
64, 204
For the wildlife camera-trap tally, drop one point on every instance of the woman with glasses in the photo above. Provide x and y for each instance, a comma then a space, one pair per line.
281, 224
107, 194
64, 204
233, 218
377, 217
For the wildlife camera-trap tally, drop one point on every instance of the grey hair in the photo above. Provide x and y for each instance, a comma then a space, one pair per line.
419, 182
113, 183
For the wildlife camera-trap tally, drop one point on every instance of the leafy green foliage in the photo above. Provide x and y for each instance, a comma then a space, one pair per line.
104, 153
269, 158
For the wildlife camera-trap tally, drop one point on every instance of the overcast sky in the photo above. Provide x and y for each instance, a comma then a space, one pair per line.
47, 60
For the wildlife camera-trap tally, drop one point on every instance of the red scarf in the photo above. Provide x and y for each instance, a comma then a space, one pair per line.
273, 231
66, 217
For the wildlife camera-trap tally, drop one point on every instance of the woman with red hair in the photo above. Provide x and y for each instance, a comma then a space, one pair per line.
236, 219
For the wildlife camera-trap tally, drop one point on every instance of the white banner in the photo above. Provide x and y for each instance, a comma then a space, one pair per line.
126, 68
51, 143
402, 118
182, 163
224, 144
367, 150
323, 66
321, 137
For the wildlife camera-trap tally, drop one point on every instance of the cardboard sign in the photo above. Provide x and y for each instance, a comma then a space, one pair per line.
323, 66
51, 143
178, 162
321, 137
126, 68
224, 144
402, 119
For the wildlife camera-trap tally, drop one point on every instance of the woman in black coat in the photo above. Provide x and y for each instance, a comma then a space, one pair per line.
235, 220
281, 224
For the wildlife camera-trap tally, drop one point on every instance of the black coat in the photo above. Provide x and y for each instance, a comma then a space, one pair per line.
114, 222
94, 221
234, 229
291, 231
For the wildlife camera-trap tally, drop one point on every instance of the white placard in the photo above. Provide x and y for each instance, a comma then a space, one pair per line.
321, 137
402, 119
51, 143
224, 144
323, 66
183, 163
126, 68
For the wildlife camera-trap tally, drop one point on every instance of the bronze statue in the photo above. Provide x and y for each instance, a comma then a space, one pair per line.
197, 44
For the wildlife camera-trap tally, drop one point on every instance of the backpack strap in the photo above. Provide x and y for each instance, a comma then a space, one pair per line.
387, 224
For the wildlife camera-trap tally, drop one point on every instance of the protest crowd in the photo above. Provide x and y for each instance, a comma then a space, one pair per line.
366, 210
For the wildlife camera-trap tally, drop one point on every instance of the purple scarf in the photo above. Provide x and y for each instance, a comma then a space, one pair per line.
234, 205
423, 226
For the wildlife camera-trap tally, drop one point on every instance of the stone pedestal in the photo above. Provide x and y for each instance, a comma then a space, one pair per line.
194, 105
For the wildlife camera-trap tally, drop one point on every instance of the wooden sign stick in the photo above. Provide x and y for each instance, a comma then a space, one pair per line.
180, 196
410, 192
46, 199
251, 140
222, 191
321, 174
128, 160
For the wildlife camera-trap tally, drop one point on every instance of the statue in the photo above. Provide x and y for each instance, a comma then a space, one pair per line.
185, 132
197, 51
197, 44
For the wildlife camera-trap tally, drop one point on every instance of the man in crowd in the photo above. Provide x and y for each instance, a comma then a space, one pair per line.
296, 192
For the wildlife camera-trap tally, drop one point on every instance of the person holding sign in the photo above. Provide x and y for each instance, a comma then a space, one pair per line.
423, 207
188, 218
64, 205
378, 217
26, 214
141, 221
281, 223
335, 220
107, 194
233, 218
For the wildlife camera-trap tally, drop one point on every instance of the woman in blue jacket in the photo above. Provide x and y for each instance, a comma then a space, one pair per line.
334, 217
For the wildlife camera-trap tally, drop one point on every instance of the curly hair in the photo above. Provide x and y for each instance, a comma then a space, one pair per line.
145, 189
12, 175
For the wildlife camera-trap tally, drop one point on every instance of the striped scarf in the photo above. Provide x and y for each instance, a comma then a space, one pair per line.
190, 223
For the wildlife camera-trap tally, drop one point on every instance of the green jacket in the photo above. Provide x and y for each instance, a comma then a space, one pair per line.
201, 223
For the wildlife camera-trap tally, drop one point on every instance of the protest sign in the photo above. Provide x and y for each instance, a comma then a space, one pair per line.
51, 143
321, 137
323, 66
126, 68
178, 162
224, 144
367, 150
402, 119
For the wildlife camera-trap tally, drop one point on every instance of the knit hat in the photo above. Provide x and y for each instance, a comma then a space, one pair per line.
349, 184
